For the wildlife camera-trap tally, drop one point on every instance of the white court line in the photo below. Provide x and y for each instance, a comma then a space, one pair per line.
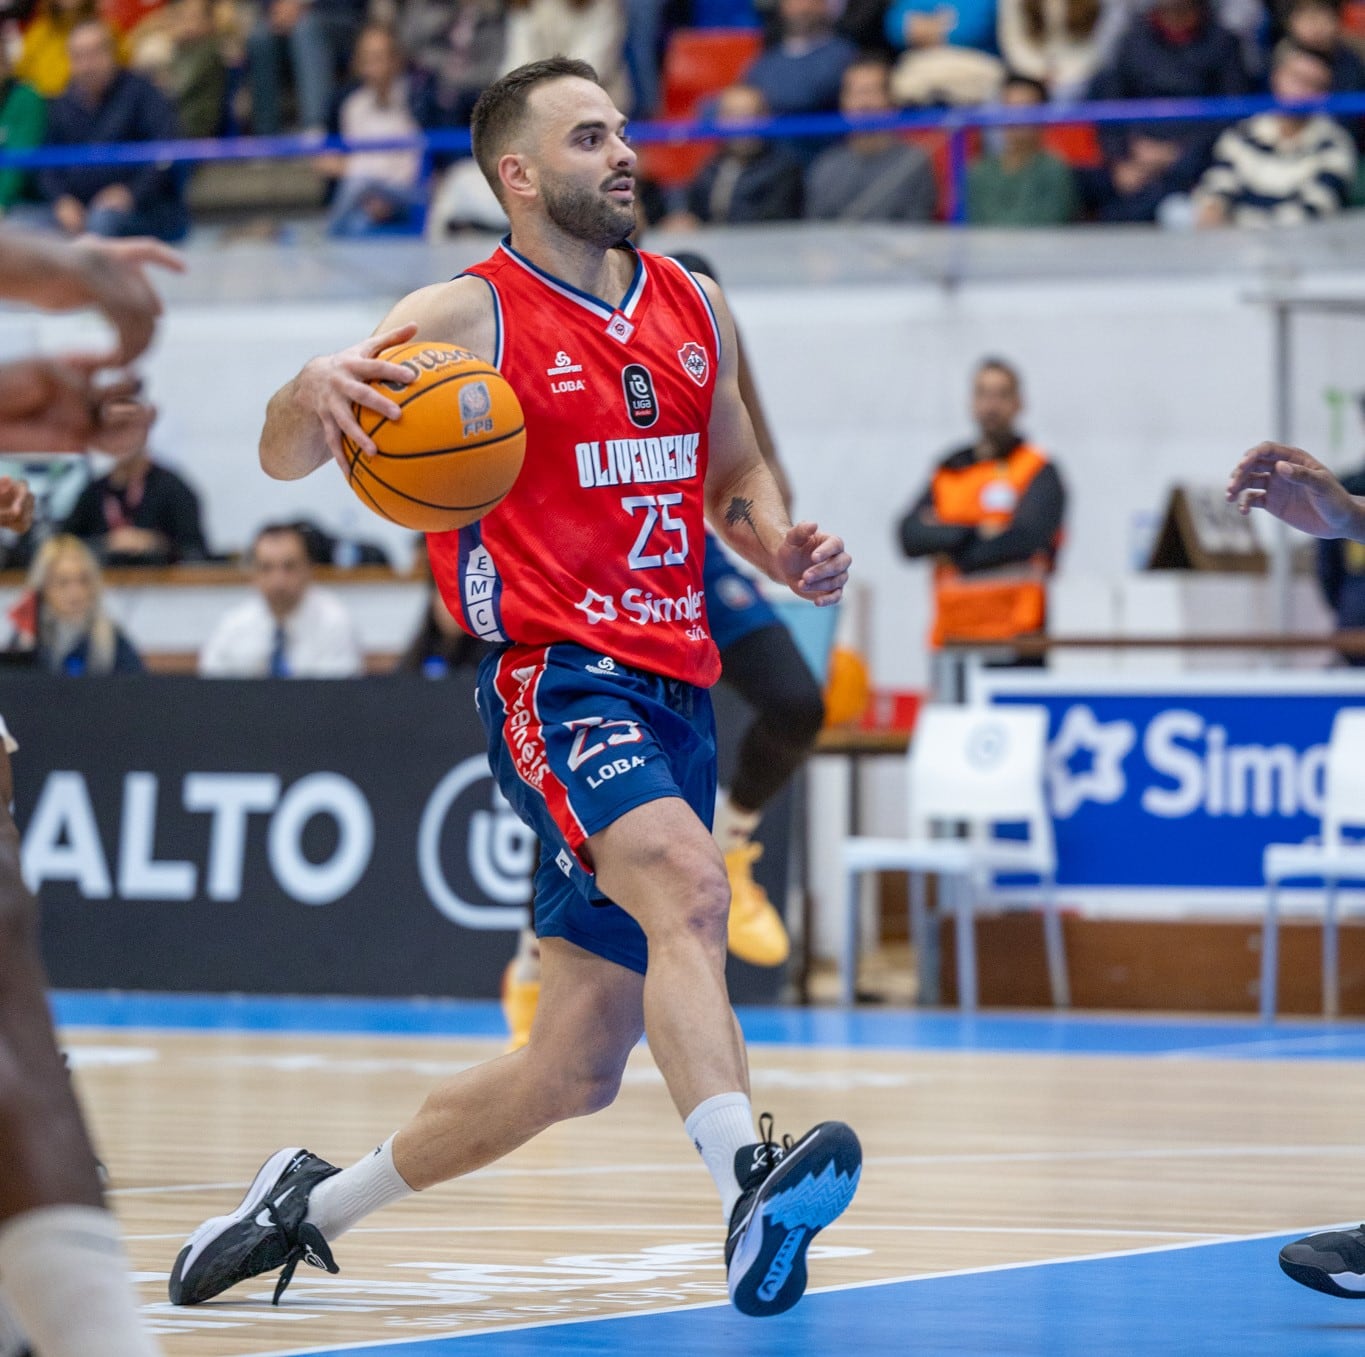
994, 1157
1109, 1232
1293, 1044
814, 1291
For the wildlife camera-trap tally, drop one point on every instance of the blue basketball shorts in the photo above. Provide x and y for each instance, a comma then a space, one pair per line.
734, 607
575, 740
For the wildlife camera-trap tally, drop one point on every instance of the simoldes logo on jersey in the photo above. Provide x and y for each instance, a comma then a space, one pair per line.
645, 609
642, 405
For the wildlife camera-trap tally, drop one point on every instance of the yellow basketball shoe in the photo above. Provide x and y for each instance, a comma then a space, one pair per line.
519, 1000
757, 934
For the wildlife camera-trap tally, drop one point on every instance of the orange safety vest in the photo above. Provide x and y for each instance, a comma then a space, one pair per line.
988, 605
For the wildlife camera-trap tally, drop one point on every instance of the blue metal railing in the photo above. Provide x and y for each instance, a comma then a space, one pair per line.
955, 124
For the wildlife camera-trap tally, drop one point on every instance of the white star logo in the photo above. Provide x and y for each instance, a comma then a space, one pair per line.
1107, 743
597, 607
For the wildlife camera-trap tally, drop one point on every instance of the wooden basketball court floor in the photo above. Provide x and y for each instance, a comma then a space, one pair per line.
1034, 1185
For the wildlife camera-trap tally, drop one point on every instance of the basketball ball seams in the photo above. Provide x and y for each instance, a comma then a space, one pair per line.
362, 489
432, 386
430, 504
455, 448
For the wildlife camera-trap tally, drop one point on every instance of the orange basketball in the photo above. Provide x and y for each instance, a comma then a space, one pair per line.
454, 452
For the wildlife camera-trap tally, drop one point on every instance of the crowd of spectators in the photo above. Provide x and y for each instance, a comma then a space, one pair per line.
76, 72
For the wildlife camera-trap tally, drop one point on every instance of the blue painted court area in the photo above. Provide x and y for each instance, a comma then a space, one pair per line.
1208, 1299
1048, 1032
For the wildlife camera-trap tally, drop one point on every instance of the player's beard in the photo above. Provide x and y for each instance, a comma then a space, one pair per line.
585, 213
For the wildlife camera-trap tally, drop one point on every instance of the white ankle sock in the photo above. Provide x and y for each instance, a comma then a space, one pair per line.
64, 1276
339, 1202
719, 1128
734, 826
13, 1340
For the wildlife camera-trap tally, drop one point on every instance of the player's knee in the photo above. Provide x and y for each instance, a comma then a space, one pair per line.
704, 910
592, 1091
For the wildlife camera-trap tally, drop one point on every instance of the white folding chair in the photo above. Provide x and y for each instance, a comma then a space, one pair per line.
1330, 860
980, 767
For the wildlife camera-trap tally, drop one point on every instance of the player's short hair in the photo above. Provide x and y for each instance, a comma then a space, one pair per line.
501, 109
1017, 80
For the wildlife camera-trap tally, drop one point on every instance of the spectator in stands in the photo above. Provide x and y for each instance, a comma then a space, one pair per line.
64, 621
1176, 49
23, 121
456, 50
1341, 573
178, 49
1279, 169
140, 513
375, 188
991, 518
1022, 185
870, 176
948, 51
590, 30
1316, 26
316, 39
43, 61
800, 72
106, 104
291, 628
1059, 43
749, 179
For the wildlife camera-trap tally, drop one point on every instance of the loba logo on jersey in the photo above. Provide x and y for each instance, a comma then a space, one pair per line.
475, 404
564, 367
693, 358
642, 405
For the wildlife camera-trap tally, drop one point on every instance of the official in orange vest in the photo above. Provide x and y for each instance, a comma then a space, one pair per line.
992, 519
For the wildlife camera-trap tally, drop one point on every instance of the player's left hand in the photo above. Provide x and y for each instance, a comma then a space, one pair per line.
814, 564
16, 505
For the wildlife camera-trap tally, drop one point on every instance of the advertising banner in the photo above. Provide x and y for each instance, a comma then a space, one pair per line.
1181, 781
296, 836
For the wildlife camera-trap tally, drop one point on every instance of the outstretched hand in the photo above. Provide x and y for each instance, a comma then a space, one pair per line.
1295, 487
330, 385
814, 564
111, 275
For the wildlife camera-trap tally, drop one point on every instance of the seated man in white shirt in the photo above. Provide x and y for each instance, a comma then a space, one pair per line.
291, 629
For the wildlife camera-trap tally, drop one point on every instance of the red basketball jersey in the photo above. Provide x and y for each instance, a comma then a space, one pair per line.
601, 540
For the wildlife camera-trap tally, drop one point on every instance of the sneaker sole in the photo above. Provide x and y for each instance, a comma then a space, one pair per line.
265, 1179
1317, 1279
810, 1188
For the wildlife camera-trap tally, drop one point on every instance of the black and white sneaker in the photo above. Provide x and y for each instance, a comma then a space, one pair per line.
266, 1231
790, 1193
1332, 1262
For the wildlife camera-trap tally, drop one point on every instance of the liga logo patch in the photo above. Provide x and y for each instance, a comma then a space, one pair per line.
642, 405
695, 362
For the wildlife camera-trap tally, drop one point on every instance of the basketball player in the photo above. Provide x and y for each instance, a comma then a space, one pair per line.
760, 660
63, 1274
1295, 487
589, 575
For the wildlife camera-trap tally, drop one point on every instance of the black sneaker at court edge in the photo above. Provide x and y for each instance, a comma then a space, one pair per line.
1332, 1262
266, 1231
790, 1192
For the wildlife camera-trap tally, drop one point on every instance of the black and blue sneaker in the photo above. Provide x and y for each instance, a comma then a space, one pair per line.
789, 1194
266, 1231
1332, 1262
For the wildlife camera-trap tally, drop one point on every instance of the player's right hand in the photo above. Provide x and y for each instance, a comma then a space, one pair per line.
330, 385
1296, 488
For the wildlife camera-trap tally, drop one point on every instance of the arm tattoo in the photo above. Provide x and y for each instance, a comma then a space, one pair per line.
739, 512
